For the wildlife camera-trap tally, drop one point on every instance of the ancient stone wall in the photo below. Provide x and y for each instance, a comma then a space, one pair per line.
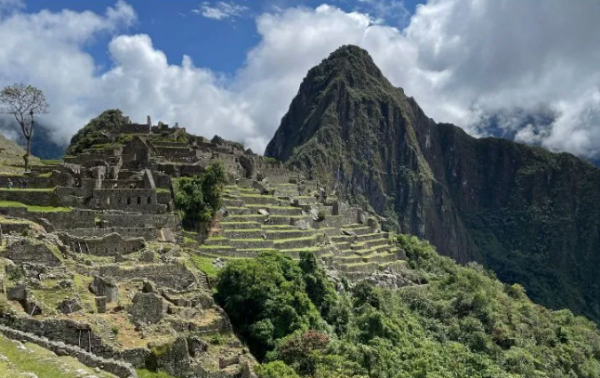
174, 276
118, 368
143, 200
135, 128
29, 251
30, 197
109, 245
32, 181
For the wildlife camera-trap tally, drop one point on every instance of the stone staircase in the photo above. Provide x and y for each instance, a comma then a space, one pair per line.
254, 223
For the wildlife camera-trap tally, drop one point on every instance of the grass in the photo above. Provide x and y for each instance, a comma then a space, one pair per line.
162, 190
49, 190
36, 209
51, 162
40, 362
143, 373
281, 241
205, 264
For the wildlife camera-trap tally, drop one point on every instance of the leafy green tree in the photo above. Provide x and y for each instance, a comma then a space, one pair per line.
200, 197
276, 369
23, 102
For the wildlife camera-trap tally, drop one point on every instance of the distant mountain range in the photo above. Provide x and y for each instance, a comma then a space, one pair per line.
530, 215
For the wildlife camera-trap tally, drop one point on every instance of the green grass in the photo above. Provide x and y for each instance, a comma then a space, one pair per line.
41, 362
49, 190
143, 373
162, 190
35, 209
51, 162
281, 241
205, 264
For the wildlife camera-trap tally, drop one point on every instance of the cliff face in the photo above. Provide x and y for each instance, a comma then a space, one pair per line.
531, 215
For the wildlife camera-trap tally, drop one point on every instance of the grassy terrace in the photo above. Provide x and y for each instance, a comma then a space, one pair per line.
49, 190
36, 209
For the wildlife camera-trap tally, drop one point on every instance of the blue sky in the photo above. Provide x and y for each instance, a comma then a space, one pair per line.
218, 44
508, 68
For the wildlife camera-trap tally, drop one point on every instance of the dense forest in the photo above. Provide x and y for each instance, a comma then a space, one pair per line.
450, 321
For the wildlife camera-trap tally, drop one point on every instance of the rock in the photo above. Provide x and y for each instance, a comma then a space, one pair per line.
148, 308
70, 305
314, 214
362, 218
247, 371
263, 212
65, 284
196, 346
105, 287
228, 361
302, 224
149, 287
101, 304
148, 256
349, 233
18, 292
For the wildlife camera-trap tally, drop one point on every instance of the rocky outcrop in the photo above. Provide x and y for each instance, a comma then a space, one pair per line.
531, 215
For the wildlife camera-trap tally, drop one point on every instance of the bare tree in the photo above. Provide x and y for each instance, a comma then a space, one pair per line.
23, 102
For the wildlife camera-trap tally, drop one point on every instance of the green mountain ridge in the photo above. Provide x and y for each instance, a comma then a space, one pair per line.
530, 215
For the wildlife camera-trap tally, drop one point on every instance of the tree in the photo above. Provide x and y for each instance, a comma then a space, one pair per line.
23, 102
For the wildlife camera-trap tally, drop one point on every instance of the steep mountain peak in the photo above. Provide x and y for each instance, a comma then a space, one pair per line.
531, 215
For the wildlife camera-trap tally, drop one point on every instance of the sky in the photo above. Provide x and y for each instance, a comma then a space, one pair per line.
521, 69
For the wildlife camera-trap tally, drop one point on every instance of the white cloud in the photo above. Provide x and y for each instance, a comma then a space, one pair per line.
221, 10
11, 5
530, 69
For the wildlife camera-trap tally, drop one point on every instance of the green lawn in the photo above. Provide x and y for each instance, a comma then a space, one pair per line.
205, 264
35, 209
49, 190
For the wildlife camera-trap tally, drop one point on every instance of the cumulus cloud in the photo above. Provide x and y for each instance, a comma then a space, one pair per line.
510, 68
220, 10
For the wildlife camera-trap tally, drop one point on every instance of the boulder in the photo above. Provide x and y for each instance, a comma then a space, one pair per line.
69, 305
148, 308
17, 292
302, 224
148, 256
105, 287
149, 287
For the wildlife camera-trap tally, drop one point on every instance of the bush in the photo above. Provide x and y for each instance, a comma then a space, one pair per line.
199, 198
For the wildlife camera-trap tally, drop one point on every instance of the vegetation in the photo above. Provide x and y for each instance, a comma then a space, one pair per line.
23, 102
39, 209
95, 131
199, 198
454, 321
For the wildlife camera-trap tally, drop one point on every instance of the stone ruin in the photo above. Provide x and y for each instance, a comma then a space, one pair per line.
97, 239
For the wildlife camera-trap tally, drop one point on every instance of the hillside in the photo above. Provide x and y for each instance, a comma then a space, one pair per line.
11, 156
444, 320
530, 215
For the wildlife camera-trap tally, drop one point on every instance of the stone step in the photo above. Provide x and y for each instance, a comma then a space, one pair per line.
232, 202
358, 267
288, 234
254, 233
276, 210
251, 243
348, 259
238, 210
240, 225
245, 218
359, 229
368, 250
370, 244
380, 257
296, 243
216, 241
216, 250
304, 200
257, 199
284, 219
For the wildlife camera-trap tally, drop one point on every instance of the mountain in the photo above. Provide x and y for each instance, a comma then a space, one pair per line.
530, 215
